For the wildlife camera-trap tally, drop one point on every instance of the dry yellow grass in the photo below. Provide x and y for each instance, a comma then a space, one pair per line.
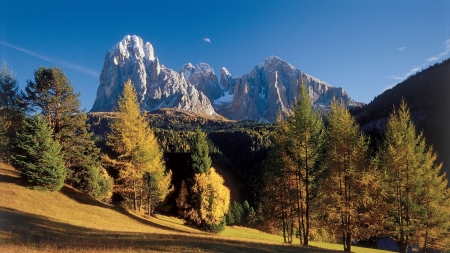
69, 221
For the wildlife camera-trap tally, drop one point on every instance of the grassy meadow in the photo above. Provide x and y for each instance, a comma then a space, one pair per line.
70, 221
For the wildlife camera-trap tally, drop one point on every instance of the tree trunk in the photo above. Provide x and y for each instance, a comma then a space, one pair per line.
134, 196
140, 201
149, 206
347, 241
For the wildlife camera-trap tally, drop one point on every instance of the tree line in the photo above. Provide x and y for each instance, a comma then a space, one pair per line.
324, 177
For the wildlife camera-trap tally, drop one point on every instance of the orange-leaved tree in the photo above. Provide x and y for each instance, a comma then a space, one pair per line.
137, 152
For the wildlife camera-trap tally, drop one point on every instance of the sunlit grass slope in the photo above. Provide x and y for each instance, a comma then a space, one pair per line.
69, 221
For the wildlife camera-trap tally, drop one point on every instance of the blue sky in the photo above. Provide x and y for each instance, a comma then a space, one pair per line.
362, 46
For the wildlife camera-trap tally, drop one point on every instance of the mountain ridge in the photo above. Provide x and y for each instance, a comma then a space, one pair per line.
270, 87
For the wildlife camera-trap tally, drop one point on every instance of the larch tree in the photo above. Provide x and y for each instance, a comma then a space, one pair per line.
411, 183
37, 155
51, 94
305, 133
434, 232
279, 194
11, 116
136, 151
203, 200
350, 185
214, 200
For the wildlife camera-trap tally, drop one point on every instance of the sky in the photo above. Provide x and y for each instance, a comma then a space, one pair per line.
362, 46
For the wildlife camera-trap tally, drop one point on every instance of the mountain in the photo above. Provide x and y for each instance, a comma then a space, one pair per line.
427, 95
270, 87
157, 86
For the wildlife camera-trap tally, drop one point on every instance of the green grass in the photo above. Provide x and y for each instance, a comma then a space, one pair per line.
70, 221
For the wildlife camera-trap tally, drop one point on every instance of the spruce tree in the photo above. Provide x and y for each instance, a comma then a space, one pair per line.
136, 150
200, 161
38, 156
11, 116
52, 95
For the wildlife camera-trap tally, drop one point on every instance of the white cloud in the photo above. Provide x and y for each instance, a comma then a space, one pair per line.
54, 60
207, 40
413, 70
429, 60
442, 54
388, 87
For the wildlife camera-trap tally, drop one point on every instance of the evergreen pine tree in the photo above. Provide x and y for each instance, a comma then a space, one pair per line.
200, 161
52, 95
38, 156
11, 116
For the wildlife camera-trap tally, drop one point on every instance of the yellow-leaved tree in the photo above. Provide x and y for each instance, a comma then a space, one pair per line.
214, 198
138, 156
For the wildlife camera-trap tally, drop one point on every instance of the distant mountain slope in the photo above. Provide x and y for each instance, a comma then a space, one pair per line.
427, 93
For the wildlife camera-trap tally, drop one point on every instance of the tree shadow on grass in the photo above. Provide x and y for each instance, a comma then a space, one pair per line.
85, 199
41, 232
10, 176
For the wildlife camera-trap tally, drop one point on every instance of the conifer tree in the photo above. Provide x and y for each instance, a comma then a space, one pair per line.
52, 95
11, 116
38, 156
136, 148
280, 185
349, 186
305, 132
200, 161
434, 232
411, 183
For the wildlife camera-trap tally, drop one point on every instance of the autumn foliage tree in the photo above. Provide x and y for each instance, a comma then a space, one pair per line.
214, 200
137, 152
349, 188
305, 138
279, 194
413, 188
203, 200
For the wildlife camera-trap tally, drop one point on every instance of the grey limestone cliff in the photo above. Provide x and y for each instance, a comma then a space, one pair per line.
157, 86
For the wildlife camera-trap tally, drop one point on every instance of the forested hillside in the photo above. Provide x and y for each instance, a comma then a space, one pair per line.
237, 148
427, 93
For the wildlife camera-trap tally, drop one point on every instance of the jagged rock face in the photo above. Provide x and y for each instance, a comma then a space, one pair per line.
273, 86
226, 81
202, 76
156, 86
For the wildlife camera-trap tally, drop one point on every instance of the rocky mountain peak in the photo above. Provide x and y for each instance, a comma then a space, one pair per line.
156, 85
202, 76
